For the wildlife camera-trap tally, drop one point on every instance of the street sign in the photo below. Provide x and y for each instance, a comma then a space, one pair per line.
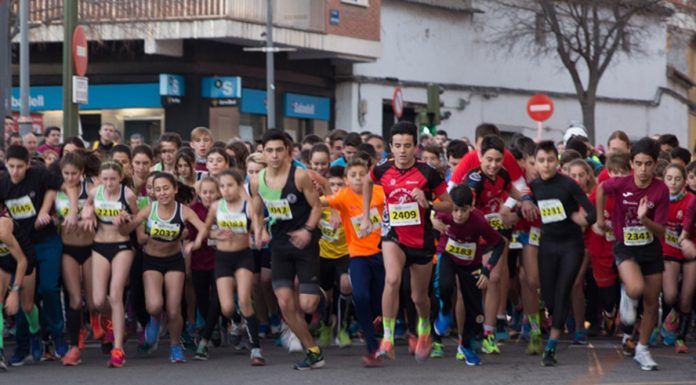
398, 102
79, 50
80, 90
540, 107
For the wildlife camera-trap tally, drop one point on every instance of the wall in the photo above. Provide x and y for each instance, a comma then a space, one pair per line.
355, 20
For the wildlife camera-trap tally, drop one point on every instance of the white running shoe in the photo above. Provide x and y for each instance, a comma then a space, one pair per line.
627, 308
644, 359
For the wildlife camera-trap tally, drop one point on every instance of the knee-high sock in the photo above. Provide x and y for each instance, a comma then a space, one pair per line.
253, 330
33, 320
344, 303
74, 322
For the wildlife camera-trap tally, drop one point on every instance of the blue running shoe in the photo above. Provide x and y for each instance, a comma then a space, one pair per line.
502, 335
152, 331
580, 337
442, 324
654, 337
60, 345
274, 319
176, 354
19, 357
468, 355
36, 347
668, 337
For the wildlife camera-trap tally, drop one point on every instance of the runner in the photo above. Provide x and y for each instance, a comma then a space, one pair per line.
410, 187
112, 254
17, 273
201, 142
640, 213
234, 261
294, 205
164, 265
561, 247
169, 144
185, 167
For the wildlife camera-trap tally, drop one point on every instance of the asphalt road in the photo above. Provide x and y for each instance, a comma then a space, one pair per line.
599, 363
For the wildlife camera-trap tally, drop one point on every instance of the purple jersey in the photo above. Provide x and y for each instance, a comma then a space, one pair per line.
624, 219
462, 240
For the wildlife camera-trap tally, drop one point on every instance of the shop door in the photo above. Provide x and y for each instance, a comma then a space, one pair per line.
150, 129
224, 123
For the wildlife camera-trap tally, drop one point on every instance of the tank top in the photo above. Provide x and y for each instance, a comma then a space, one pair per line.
165, 230
288, 208
237, 222
106, 210
62, 203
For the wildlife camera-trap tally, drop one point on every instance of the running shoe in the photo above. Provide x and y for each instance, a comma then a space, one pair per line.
668, 337
118, 358
311, 361
423, 348
187, 341
372, 360
82, 338
201, 352
645, 360
549, 358
580, 337
3, 363
468, 355
534, 348
108, 340
37, 347
671, 322
264, 331
216, 338
60, 345
176, 354
438, 350
95, 321
412, 343
442, 324
72, 357
343, 339
608, 323
294, 344
386, 349
654, 337
152, 330
627, 308
257, 358
628, 347
324, 335
19, 357
680, 346
489, 345
235, 336
274, 319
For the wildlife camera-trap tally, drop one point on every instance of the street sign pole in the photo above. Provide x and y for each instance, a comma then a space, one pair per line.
5, 68
270, 80
24, 118
70, 109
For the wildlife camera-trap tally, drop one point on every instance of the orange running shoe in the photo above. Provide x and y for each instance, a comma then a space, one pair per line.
72, 358
412, 342
118, 358
82, 337
386, 349
95, 321
423, 347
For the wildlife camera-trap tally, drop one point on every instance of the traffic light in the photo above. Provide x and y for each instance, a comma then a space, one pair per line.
434, 103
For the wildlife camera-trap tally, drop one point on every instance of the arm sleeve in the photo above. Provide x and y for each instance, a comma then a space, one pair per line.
491, 237
583, 201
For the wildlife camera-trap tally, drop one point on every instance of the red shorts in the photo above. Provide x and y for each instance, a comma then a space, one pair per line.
604, 270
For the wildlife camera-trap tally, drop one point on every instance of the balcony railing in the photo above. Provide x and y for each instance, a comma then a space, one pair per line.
306, 15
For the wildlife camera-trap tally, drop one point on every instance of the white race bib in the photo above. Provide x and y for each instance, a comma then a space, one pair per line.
551, 211
279, 209
106, 211
637, 236
375, 222
515, 242
672, 238
495, 220
328, 233
405, 214
235, 222
534, 236
165, 231
21, 208
463, 251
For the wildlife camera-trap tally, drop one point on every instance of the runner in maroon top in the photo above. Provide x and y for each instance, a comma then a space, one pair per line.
639, 216
410, 187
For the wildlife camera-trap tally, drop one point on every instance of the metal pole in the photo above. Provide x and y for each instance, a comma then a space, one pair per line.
5, 68
270, 87
70, 109
24, 118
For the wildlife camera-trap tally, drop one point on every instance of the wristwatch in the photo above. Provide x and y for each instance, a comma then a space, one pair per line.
430, 205
16, 287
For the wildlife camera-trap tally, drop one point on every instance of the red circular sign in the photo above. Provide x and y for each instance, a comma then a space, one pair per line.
79, 50
398, 102
540, 107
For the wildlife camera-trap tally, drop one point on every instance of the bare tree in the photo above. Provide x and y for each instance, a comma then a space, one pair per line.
585, 34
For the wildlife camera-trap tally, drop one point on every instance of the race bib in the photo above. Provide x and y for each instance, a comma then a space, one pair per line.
106, 211
237, 222
279, 209
405, 214
463, 251
515, 241
21, 208
164, 231
672, 238
551, 211
375, 222
534, 236
328, 233
495, 220
637, 236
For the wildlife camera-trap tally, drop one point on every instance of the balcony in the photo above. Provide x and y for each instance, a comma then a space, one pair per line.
304, 15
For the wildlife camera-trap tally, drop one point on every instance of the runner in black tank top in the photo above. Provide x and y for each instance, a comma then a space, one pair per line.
295, 209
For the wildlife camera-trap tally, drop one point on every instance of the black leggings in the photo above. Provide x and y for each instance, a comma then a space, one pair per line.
559, 263
447, 270
136, 292
207, 300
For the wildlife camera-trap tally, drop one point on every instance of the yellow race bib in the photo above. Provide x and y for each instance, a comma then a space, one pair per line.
375, 222
21, 208
279, 209
405, 214
551, 211
637, 236
463, 251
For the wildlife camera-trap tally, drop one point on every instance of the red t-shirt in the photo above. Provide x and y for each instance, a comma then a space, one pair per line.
677, 213
601, 245
202, 259
462, 241
471, 161
490, 193
603, 175
627, 197
406, 217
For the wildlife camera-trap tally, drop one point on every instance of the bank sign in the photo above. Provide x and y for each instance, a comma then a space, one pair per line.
221, 87
307, 107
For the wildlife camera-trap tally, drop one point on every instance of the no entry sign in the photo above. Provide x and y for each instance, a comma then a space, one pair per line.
79, 50
398, 102
540, 107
